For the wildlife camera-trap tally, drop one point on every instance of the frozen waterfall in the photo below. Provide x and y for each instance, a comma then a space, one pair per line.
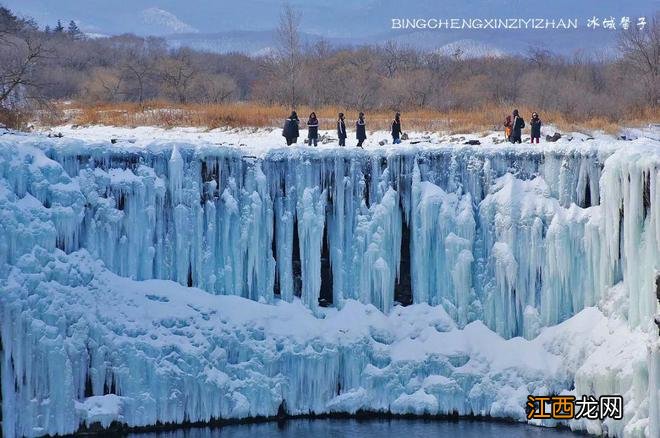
516, 240
513, 240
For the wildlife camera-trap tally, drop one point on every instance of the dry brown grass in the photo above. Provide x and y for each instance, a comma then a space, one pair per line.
167, 114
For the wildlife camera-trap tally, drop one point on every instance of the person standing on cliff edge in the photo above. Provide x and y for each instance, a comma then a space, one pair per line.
312, 130
290, 130
360, 130
518, 125
396, 129
341, 130
535, 123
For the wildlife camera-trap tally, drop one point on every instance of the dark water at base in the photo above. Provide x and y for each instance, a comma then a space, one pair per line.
372, 428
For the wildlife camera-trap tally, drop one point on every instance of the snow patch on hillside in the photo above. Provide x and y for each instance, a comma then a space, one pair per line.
165, 21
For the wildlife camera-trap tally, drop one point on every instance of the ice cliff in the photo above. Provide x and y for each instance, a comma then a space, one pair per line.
418, 280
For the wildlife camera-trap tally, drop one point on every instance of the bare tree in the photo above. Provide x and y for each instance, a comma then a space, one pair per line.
641, 52
421, 87
21, 57
104, 84
539, 57
21, 50
290, 48
215, 88
139, 70
391, 58
177, 74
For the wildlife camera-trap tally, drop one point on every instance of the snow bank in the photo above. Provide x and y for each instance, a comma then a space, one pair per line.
171, 353
90, 346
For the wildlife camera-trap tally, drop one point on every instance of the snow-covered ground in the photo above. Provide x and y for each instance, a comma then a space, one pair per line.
531, 270
257, 141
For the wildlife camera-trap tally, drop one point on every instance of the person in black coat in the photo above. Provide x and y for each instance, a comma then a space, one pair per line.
518, 125
341, 130
535, 123
312, 129
360, 130
396, 129
290, 131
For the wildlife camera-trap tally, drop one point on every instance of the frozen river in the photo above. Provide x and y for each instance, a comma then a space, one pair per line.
376, 428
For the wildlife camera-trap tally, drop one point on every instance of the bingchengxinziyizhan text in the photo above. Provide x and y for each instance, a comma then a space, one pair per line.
607, 23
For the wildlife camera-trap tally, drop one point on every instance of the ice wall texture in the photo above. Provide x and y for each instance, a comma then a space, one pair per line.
517, 239
90, 347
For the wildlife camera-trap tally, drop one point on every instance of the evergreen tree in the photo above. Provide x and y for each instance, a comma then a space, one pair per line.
7, 17
9, 22
47, 29
59, 28
73, 30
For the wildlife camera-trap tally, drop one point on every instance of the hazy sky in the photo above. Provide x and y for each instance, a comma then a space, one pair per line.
329, 18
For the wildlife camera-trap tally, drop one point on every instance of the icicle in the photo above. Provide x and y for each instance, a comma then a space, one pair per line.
175, 176
443, 227
377, 252
311, 220
257, 235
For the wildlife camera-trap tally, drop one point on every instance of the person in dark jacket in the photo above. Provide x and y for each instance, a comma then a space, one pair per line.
518, 125
360, 130
290, 131
535, 123
341, 130
312, 130
507, 128
396, 129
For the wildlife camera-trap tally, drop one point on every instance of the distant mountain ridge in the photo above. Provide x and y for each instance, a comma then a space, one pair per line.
248, 26
470, 44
